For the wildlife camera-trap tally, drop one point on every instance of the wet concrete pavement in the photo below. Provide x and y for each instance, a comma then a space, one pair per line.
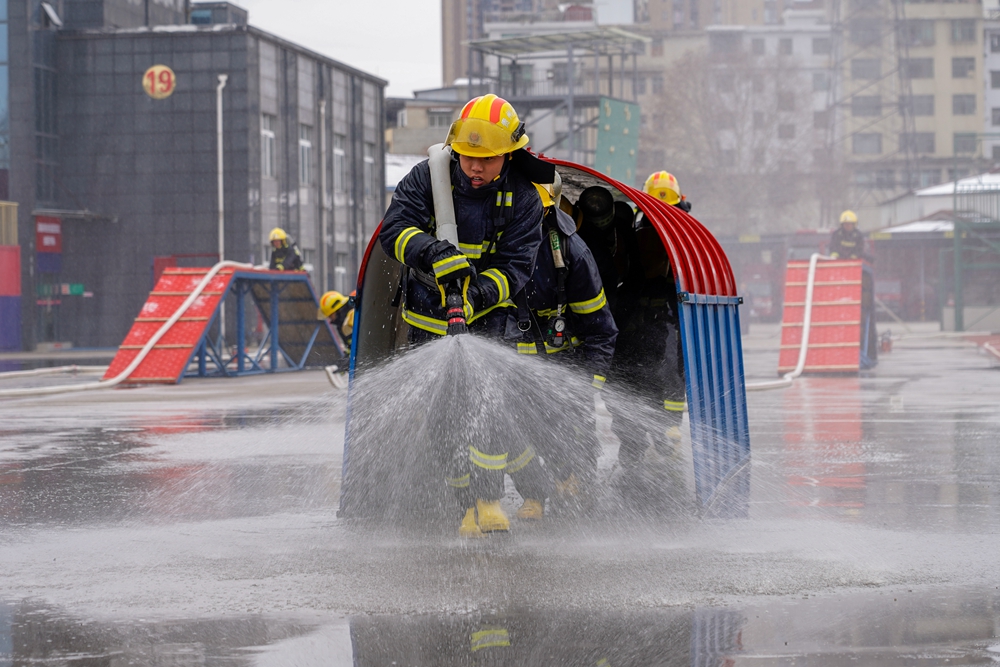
196, 525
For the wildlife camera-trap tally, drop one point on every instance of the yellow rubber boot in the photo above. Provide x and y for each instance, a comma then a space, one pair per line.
569, 487
531, 509
469, 528
491, 516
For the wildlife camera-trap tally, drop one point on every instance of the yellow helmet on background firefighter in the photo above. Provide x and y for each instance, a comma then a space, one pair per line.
849, 216
278, 234
487, 127
330, 303
663, 185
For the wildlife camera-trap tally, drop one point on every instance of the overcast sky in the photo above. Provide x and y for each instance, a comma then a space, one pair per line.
398, 40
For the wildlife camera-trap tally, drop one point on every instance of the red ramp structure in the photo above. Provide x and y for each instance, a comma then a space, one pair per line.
285, 301
836, 318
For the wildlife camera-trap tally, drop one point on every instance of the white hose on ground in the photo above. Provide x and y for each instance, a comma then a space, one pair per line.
118, 379
787, 378
444, 205
9, 375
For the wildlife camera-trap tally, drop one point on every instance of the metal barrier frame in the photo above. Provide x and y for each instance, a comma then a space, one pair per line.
241, 284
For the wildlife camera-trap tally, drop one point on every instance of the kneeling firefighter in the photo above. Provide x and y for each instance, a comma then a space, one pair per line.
446, 288
285, 255
648, 360
338, 310
563, 312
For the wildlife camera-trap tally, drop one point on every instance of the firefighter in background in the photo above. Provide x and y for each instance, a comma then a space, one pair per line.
497, 211
648, 360
847, 242
664, 186
338, 310
564, 312
285, 255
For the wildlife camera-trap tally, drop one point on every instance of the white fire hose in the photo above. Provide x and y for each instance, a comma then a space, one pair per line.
118, 379
787, 379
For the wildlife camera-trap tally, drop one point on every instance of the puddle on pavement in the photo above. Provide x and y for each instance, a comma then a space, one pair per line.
901, 628
230, 465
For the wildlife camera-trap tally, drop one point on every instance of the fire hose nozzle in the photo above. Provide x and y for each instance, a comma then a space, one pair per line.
455, 310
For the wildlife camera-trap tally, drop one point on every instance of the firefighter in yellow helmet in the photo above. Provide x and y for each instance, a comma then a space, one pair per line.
663, 185
285, 255
847, 242
498, 214
338, 310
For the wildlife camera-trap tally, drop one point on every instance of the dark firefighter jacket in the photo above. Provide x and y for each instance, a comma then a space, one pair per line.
647, 354
847, 245
498, 230
590, 329
286, 258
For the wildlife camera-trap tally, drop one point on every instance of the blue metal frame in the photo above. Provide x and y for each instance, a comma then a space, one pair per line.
241, 284
717, 406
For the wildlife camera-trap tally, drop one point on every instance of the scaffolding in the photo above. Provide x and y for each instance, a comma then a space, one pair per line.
563, 88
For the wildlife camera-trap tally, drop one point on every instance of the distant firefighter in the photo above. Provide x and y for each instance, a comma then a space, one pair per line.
285, 255
664, 186
847, 242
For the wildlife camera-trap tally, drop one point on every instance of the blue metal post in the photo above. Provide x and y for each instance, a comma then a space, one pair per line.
241, 333
274, 326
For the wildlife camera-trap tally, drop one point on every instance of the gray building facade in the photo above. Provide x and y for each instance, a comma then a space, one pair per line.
133, 177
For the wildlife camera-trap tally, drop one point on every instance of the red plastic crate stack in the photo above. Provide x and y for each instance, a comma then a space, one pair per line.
835, 325
168, 359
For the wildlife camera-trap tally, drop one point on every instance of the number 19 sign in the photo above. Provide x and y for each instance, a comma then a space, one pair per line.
159, 82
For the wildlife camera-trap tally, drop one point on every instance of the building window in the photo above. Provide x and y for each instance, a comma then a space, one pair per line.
866, 69
757, 46
918, 142
963, 68
785, 46
339, 163
439, 118
786, 101
866, 105
917, 105
305, 155
995, 79
268, 123
885, 178
657, 83
656, 48
918, 32
995, 116
963, 31
918, 68
866, 143
640, 85
963, 105
725, 42
928, 177
995, 42
821, 46
821, 120
996, 153
786, 131
964, 142
821, 81
369, 159
401, 118
865, 32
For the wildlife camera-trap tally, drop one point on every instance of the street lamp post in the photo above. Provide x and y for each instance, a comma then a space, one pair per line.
222, 206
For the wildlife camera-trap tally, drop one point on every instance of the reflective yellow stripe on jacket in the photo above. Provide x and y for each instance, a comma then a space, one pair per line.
590, 305
404, 237
673, 406
491, 638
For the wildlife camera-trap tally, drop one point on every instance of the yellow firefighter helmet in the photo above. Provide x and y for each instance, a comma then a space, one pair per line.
487, 127
330, 303
849, 216
663, 185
